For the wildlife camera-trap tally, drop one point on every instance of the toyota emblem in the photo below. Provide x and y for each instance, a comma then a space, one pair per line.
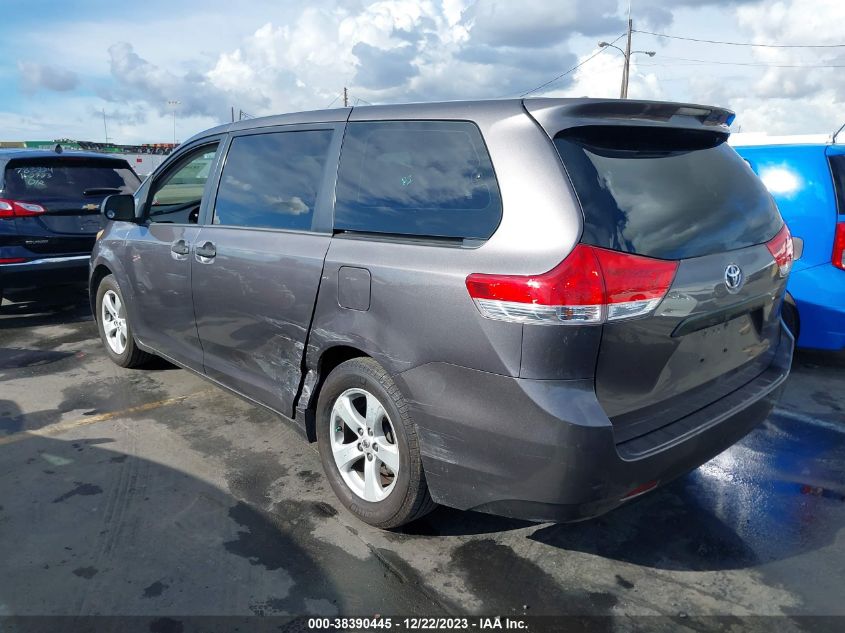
733, 278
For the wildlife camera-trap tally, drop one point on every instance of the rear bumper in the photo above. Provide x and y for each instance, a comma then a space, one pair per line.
545, 450
819, 294
48, 271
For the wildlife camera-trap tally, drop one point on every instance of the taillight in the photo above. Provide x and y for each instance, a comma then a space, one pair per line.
592, 285
838, 258
12, 260
780, 246
18, 209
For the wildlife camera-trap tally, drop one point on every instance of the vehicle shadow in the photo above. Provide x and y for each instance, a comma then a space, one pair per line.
669, 528
445, 521
79, 520
16, 358
819, 358
672, 528
46, 306
12, 419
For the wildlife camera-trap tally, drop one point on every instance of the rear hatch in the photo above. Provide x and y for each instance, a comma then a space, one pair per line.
57, 199
679, 194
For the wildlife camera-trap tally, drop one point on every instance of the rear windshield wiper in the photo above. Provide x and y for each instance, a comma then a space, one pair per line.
95, 191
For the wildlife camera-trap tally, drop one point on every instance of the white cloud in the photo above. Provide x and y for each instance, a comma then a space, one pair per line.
805, 99
539, 23
268, 57
35, 77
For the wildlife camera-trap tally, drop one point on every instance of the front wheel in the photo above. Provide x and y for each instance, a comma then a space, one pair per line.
368, 445
114, 327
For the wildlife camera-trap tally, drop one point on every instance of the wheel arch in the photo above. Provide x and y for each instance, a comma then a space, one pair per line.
100, 272
329, 358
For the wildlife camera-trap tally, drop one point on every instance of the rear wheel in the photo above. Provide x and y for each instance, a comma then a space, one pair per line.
369, 447
114, 327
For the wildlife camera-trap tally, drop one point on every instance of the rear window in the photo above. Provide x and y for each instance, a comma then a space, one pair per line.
665, 193
419, 178
78, 178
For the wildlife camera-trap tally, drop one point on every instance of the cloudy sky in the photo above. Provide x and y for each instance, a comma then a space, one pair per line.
62, 64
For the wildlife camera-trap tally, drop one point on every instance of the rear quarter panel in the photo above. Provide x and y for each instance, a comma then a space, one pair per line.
420, 309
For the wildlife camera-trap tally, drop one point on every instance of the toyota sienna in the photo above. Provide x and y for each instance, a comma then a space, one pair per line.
538, 308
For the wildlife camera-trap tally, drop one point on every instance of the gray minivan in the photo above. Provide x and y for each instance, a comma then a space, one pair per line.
538, 308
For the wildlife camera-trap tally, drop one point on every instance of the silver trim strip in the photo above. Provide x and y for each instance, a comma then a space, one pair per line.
48, 260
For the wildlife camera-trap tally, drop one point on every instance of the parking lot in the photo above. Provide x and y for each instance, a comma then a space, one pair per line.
156, 493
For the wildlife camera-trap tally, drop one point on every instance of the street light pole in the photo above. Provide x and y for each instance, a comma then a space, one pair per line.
626, 69
175, 105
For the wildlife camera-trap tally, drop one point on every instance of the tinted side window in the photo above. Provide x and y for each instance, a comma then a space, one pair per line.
272, 180
424, 178
837, 167
177, 196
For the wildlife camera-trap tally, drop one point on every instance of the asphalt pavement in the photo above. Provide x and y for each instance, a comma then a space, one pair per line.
152, 492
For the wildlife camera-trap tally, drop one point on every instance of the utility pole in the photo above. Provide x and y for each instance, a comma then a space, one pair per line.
345, 98
233, 114
175, 105
627, 69
105, 126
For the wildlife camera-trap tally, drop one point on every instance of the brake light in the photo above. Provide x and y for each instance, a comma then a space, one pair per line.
12, 260
838, 258
17, 209
592, 285
780, 246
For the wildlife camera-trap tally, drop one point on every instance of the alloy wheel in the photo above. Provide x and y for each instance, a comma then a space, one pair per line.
363, 443
114, 321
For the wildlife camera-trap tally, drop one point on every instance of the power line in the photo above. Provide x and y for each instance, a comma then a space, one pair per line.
331, 103
574, 68
695, 39
699, 62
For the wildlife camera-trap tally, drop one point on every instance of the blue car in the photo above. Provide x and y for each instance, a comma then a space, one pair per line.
806, 177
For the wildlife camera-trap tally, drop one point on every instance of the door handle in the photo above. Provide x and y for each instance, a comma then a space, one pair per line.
207, 250
180, 247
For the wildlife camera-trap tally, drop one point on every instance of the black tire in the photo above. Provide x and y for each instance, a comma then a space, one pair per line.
132, 355
789, 312
409, 499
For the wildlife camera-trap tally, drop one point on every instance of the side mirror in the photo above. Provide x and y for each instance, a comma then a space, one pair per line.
119, 207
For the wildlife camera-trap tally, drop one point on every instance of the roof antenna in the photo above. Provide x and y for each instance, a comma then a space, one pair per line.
58, 148
835, 134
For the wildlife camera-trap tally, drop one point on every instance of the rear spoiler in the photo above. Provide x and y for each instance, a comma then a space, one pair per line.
555, 115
